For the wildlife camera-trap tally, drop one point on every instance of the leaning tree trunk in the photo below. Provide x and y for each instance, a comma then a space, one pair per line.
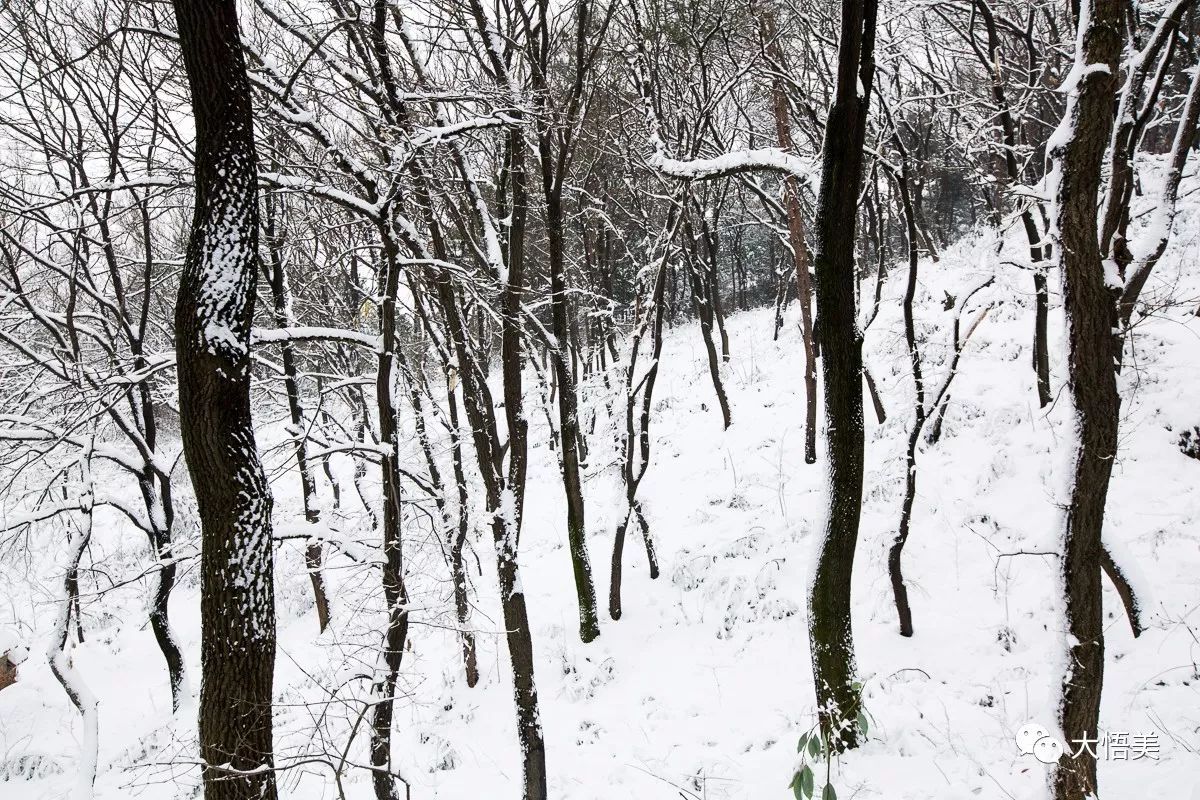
160, 510
704, 312
213, 314
830, 631
1091, 314
636, 444
505, 489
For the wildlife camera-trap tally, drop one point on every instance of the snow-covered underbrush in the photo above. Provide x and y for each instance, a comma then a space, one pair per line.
703, 688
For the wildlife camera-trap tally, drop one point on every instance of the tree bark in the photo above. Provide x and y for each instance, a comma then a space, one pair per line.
1091, 315
896, 552
830, 629
395, 594
568, 408
509, 506
212, 339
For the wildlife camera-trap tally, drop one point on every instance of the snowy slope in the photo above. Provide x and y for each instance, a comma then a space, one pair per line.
704, 686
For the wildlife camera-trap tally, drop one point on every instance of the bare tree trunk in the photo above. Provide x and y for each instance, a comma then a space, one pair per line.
212, 338
395, 594
458, 572
783, 133
830, 629
876, 400
1041, 346
568, 413
781, 289
61, 663
704, 312
636, 443
1091, 315
506, 524
280, 295
160, 510
991, 61
895, 572
157, 496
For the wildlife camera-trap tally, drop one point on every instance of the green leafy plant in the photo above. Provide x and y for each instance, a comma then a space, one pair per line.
814, 749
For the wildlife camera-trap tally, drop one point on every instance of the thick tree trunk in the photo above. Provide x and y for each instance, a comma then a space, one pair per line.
508, 506
830, 629
1091, 314
212, 339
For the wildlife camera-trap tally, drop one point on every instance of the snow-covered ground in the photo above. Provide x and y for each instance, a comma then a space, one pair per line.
704, 686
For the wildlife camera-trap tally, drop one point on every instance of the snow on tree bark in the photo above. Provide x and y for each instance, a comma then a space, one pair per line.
213, 316
830, 630
1078, 149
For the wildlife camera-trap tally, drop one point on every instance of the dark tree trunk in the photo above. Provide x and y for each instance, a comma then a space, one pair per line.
830, 629
636, 445
876, 400
280, 296
704, 312
896, 552
395, 594
156, 496
568, 410
1041, 345
508, 506
212, 340
1091, 317
554, 163
1037, 252
458, 572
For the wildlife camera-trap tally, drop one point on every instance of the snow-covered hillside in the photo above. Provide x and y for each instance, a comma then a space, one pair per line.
703, 688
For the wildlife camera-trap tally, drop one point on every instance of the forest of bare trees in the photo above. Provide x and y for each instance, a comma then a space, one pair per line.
348, 349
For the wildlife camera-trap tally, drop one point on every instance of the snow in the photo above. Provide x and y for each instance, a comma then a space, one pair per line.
313, 332
704, 686
767, 158
12, 647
